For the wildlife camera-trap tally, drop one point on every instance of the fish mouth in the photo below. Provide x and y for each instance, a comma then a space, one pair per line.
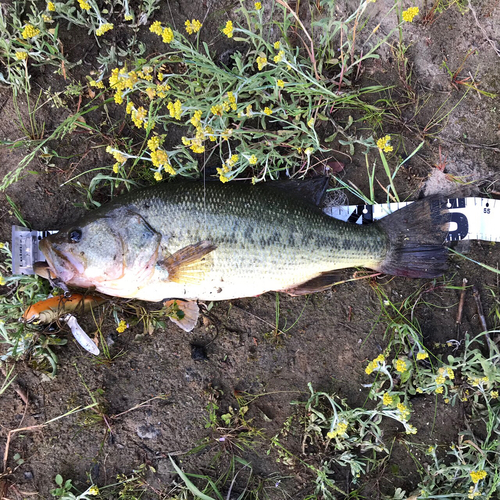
61, 264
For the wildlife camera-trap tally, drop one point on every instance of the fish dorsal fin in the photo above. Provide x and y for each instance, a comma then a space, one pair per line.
317, 284
310, 191
189, 264
184, 313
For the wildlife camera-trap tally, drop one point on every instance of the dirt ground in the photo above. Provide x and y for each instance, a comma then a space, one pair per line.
334, 334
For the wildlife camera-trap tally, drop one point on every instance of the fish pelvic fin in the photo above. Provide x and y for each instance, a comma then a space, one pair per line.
184, 313
189, 265
416, 236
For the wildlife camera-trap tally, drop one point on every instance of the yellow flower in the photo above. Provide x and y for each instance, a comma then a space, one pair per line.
98, 85
419, 390
167, 35
128, 17
233, 160
2, 281
84, 5
439, 390
372, 365
228, 30
93, 491
156, 28
476, 476
405, 412
217, 110
422, 355
261, 62
268, 111
175, 109
196, 118
450, 373
30, 31
494, 394
159, 158
440, 380
409, 14
277, 45
339, 431
383, 144
116, 167
401, 365
151, 92
138, 116
232, 100
51, 7
278, 58
158, 177
118, 97
104, 28
21, 55
154, 143
387, 399
248, 110
258, 6
253, 160
222, 175
46, 18
280, 84
227, 133
122, 326
411, 429
193, 26
162, 89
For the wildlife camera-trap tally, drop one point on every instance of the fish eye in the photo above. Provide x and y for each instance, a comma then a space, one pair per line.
75, 235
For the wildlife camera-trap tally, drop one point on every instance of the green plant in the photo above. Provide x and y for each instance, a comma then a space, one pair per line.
238, 481
232, 430
18, 338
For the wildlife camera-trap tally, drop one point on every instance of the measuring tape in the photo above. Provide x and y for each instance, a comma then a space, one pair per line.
471, 219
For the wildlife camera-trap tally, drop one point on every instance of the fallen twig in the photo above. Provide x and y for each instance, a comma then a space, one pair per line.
488, 39
461, 303
480, 313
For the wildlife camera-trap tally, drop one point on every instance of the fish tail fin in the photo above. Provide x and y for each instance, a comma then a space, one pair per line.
416, 235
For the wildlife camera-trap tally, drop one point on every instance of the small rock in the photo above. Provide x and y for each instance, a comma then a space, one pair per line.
148, 431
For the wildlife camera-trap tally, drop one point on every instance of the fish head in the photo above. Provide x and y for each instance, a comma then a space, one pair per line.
100, 250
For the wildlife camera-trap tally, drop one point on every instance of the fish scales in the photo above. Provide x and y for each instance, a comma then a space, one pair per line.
264, 240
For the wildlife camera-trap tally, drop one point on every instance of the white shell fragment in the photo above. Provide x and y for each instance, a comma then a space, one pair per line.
80, 336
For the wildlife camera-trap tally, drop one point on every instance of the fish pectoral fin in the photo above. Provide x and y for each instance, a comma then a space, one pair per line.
316, 284
189, 265
183, 313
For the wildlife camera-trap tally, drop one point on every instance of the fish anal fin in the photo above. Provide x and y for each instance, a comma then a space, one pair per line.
316, 284
184, 313
189, 265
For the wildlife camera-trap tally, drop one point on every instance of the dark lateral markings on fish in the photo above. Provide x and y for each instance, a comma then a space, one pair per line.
455, 234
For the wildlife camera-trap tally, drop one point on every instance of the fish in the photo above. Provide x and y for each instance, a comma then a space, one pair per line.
195, 241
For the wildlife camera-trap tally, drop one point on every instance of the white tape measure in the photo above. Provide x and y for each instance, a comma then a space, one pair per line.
471, 219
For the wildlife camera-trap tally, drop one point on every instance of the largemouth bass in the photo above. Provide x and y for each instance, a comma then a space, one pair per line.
216, 241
